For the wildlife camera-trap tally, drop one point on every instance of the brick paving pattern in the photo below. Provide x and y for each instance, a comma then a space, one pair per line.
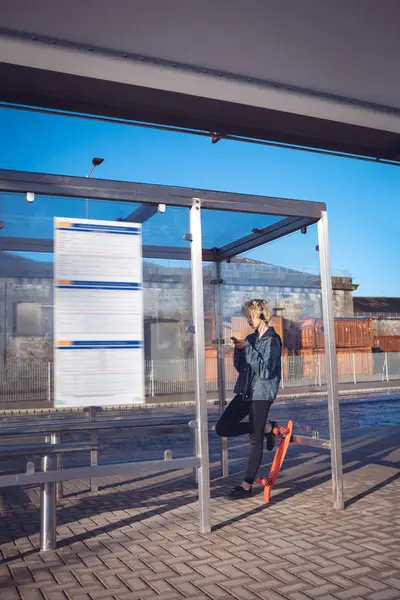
138, 539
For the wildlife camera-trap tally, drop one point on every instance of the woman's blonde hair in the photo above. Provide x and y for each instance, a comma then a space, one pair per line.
260, 308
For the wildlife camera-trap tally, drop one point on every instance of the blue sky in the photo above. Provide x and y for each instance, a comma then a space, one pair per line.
362, 197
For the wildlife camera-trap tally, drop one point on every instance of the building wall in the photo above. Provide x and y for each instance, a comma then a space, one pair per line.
15, 344
343, 304
386, 326
167, 299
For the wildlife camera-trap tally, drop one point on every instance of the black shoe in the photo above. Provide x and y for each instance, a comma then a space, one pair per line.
271, 436
239, 492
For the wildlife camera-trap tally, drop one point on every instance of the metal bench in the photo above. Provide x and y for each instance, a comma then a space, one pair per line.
49, 478
92, 426
52, 475
48, 490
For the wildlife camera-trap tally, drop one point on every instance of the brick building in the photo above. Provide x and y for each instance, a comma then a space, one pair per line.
26, 302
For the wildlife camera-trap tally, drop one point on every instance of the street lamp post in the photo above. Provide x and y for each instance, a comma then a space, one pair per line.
96, 161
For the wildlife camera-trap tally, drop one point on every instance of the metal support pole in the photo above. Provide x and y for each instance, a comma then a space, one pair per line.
331, 363
94, 484
219, 326
48, 506
354, 369
200, 375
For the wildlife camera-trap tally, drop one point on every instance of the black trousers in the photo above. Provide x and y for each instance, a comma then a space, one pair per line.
230, 425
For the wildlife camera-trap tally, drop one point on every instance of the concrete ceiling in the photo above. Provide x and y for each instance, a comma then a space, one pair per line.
307, 72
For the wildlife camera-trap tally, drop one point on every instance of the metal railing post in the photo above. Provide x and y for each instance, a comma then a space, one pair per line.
200, 375
94, 484
315, 361
319, 370
152, 378
386, 366
49, 391
219, 325
48, 506
331, 363
354, 369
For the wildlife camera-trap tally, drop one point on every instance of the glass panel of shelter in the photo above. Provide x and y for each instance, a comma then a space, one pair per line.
26, 309
286, 274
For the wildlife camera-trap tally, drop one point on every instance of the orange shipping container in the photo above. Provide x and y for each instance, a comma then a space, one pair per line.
349, 333
388, 343
307, 333
309, 360
358, 360
285, 363
211, 365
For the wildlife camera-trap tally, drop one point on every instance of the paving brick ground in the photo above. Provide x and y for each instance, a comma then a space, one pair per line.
138, 539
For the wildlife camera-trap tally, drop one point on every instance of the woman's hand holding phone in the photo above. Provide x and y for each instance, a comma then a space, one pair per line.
239, 344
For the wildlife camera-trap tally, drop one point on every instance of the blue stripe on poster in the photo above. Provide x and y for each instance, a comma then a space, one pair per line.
101, 229
108, 345
100, 285
105, 227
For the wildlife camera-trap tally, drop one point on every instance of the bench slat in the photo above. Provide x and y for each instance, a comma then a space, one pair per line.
46, 449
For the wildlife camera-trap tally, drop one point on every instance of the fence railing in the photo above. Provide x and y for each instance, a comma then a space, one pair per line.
379, 315
26, 381
22, 382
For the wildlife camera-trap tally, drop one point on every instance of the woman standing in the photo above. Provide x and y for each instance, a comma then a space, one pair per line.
258, 362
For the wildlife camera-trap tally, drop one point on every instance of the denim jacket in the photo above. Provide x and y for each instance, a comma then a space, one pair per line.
259, 366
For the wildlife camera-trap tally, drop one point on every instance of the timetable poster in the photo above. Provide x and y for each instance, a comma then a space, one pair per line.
98, 313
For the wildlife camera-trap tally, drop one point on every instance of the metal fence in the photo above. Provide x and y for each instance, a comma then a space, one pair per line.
26, 381
379, 315
33, 381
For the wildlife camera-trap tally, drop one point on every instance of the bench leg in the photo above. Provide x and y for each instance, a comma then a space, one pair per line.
94, 460
195, 445
94, 482
224, 457
56, 438
48, 509
59, 484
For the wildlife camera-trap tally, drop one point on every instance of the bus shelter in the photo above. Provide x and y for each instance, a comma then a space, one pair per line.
200, 226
